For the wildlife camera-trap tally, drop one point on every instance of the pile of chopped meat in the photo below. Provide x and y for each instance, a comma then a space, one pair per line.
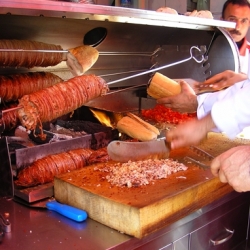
139, 173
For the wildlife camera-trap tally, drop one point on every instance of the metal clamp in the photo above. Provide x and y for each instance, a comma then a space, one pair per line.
5, 226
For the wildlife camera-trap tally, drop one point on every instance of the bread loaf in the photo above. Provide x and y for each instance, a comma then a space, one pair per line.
81, 59
167, 10
136, 128
161, 86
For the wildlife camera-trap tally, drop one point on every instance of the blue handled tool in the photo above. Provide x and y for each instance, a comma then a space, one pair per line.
68, 211
51, 204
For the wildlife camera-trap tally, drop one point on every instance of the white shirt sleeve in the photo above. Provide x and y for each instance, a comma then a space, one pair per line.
232, 112
206, 101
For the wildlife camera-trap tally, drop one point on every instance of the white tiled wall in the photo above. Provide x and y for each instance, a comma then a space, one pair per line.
216, 7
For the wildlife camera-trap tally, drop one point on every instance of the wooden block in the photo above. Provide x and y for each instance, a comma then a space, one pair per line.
138, 211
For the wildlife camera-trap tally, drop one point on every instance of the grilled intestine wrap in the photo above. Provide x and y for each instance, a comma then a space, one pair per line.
63, 98
10, 118
29, 54
45, 169
13, 87
29, 59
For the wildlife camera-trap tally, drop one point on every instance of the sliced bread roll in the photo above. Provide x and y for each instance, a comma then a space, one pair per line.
81, 59
136, 128
161, 86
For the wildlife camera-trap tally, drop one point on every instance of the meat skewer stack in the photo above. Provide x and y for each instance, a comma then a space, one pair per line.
43, 96
28, 59
10, 119
24, 53
43, 170
13, 87
60, 99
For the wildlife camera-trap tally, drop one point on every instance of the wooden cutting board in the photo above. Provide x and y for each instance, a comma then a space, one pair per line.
138, 211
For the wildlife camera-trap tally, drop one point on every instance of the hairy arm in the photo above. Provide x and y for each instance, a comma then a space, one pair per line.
233, 167
185, 102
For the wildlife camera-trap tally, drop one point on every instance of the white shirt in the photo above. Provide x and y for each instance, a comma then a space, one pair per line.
211, 101
231, 113
206, 101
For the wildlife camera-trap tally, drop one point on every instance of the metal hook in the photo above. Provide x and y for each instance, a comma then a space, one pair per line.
193, 57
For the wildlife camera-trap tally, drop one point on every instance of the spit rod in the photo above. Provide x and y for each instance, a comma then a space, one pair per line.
100, 53
11, 109
143, 73
164, 66
34, 50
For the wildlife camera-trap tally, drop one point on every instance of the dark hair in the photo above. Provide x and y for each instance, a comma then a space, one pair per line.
234, 2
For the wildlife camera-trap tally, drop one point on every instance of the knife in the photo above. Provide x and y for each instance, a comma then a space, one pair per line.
123, 151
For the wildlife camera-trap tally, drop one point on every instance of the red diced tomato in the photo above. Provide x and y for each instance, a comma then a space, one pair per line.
160, 113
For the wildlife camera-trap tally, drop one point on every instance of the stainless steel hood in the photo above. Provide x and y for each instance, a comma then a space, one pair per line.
132, 36
106, 13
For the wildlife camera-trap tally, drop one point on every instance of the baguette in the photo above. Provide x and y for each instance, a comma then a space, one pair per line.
143, 123
136, 128
161, 86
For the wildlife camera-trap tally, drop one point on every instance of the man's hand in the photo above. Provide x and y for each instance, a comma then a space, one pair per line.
220, 81
190, 132
185, 102
233, 167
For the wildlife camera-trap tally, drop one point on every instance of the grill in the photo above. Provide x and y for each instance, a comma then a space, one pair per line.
130, 42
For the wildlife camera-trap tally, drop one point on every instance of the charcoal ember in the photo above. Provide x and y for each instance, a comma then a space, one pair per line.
86, 126
64, 131
35, 136
90, 128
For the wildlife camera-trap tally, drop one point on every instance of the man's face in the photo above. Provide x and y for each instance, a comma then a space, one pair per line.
241, 16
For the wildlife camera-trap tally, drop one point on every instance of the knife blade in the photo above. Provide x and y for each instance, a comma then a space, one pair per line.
122, 151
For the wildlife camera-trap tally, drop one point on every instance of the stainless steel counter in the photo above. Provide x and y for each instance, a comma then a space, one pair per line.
43, 229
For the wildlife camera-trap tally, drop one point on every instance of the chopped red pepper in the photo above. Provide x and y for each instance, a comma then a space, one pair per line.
162, 114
